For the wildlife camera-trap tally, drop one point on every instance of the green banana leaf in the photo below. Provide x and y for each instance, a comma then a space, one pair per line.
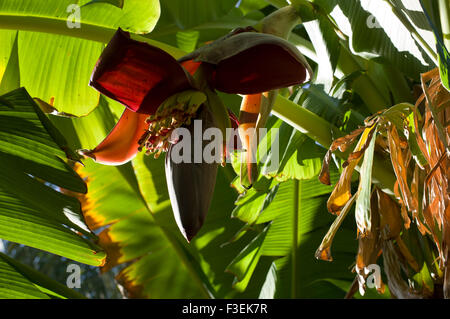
22, 282
49, 49
376, 32
33, 209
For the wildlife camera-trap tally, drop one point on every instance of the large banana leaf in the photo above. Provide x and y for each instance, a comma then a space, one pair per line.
326, 44
307, 220
190, 13
22, 282
139, 228
150, 241
297, 219
375, 31
129, 232
298, 216
49, 51
37, 147
32, 210
181, 27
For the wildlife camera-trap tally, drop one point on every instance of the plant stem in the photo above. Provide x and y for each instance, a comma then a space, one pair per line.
55, 26
305, 121
444, 12
86, 31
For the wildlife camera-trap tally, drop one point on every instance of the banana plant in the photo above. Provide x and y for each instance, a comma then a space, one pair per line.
365, 113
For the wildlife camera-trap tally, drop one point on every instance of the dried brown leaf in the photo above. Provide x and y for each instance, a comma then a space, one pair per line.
324, 250
93, 219
398, 287
370, 245
390, 216
399, 162
131, 287
403, 210
342, 193
324, 175
407, 254
112, 248
369, 248
341, 144
415, 192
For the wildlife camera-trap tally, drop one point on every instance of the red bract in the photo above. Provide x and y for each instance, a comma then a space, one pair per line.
141, 77
255, 73
138, 75
250, 62
122, 143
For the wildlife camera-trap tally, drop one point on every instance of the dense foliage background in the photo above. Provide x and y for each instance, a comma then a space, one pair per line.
116, 223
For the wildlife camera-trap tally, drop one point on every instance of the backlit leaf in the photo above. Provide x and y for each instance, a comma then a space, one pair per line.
362, 208
342, 192
49, 63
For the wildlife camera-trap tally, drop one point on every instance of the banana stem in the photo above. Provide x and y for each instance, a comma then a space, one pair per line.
305, 121
444, 12
86, 31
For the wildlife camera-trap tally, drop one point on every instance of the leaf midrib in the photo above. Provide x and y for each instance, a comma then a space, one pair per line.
87, 31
